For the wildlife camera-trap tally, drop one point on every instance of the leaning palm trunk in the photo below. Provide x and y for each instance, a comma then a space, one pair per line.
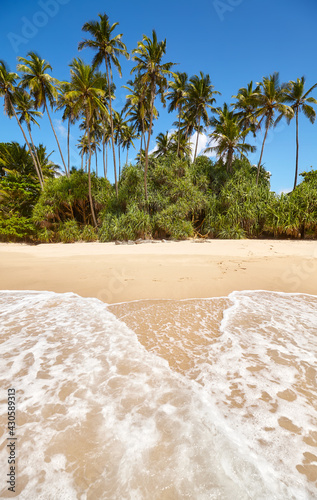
30, 149
297, 149
35, 152
60, 151
111, 126
96, 163
89, 175
119, 161
262, 149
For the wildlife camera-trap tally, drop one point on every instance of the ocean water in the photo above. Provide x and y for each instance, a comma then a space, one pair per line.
199, 399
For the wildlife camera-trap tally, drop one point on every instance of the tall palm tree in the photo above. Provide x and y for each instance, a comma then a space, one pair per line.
270, 100
8, 90
119, 125
107, 49
137, 108
27, 113
41, 85
87, 93
229, 137
152, 74
177, 97
64, 102
298, 98
106, 136
246, 106
199, 99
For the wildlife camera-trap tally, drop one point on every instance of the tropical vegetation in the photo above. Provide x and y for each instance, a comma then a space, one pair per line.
173, 191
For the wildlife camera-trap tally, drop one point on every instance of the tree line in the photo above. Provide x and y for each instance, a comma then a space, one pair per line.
87, 99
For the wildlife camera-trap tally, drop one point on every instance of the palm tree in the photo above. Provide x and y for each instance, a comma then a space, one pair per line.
152, 74
269, 101
108, 49
137, 108
82, 145
25, 109
119, 125
246, 106
199, 99
64, 102
298, 99
163, 145
41, 85
229, 137
86, 94
129, 134
180, 145
106, 136
8, 90
177, 97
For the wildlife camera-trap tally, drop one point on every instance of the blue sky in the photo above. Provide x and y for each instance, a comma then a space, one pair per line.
235, 41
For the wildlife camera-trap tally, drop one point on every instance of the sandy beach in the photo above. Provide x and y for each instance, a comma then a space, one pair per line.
161, 270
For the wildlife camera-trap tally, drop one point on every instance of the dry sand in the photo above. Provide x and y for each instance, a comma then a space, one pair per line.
170, 270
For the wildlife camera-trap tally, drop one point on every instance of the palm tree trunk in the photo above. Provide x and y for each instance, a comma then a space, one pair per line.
82, 160
119, 161
103, 155
28, 144
229, 161
142, 140
262, 149
179, 129
148, 140
60, 151
89, 174
111, 126
106, 158
96, 163
34, 149
68, 150
197, 140
127, 155
297, 148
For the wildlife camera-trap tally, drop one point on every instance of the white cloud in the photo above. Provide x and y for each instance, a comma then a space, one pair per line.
203, 143
153, 150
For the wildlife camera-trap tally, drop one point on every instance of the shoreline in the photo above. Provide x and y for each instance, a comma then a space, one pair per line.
162, 270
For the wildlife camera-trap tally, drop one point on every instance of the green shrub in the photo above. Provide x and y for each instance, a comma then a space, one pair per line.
89, 234
16, 228
172, 223
69, 232
130, 226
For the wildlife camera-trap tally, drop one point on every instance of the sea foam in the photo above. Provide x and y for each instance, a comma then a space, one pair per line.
199, 411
